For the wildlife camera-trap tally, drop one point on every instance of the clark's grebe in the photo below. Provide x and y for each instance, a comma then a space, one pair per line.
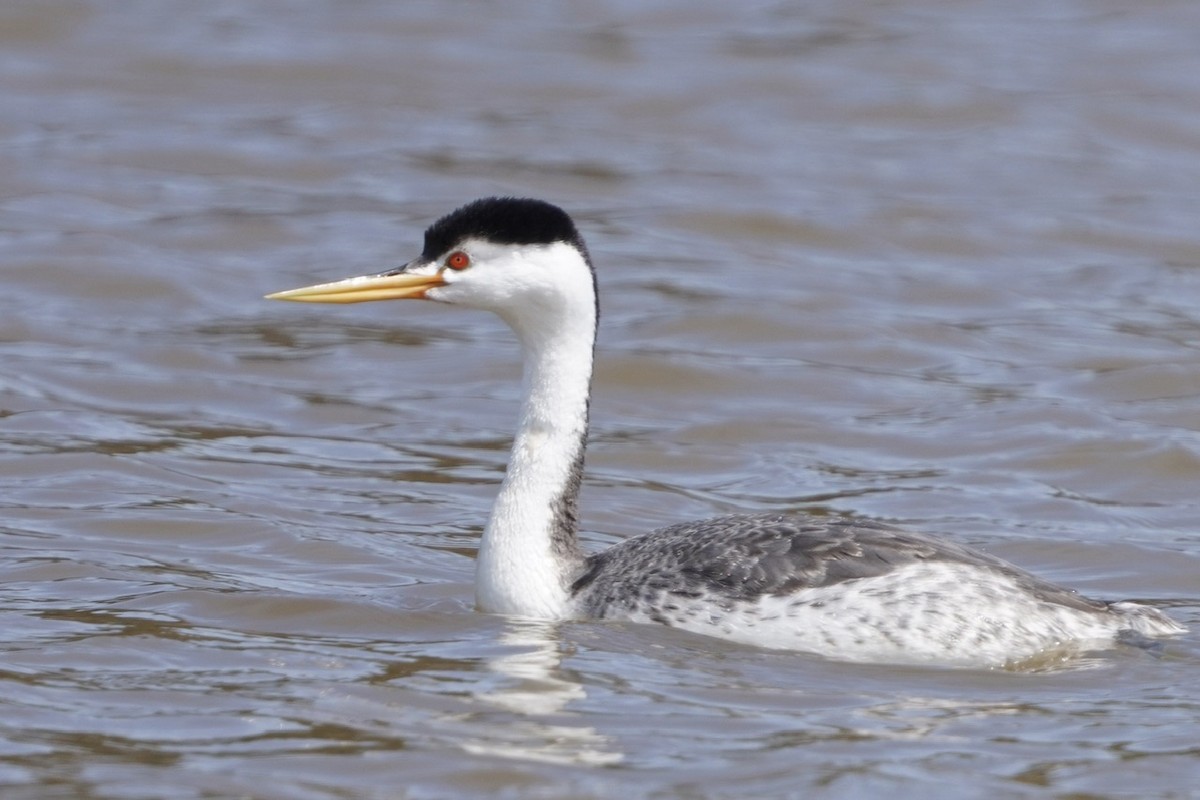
851, 590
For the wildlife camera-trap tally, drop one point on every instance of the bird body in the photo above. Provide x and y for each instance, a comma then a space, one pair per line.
847, 589
854, 588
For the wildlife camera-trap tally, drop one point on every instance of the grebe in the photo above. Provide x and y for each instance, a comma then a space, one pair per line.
846, 589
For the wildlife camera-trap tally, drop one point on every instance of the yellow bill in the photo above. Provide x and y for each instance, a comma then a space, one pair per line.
387, 286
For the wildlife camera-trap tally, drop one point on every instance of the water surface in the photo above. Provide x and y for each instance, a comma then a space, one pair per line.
929, 263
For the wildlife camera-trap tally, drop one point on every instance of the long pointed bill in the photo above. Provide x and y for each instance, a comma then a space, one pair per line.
387, 286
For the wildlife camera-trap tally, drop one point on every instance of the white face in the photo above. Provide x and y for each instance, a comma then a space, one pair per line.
515, 281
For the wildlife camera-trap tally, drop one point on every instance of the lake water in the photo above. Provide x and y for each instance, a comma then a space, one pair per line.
926, 262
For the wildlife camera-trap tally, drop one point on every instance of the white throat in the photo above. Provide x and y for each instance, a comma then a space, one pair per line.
530, 554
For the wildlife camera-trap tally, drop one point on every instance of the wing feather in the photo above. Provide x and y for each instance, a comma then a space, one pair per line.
741, 558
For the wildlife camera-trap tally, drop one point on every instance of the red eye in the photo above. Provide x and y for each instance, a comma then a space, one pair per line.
458, 260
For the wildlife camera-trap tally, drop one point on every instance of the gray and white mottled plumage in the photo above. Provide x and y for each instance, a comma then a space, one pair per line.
847, 589
860, 589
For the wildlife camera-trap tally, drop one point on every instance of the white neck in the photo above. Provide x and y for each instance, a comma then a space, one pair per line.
530, 552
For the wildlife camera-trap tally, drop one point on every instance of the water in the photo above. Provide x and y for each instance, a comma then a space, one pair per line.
931, 263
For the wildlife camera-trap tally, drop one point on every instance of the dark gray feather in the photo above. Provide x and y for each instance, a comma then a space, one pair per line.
742, 558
